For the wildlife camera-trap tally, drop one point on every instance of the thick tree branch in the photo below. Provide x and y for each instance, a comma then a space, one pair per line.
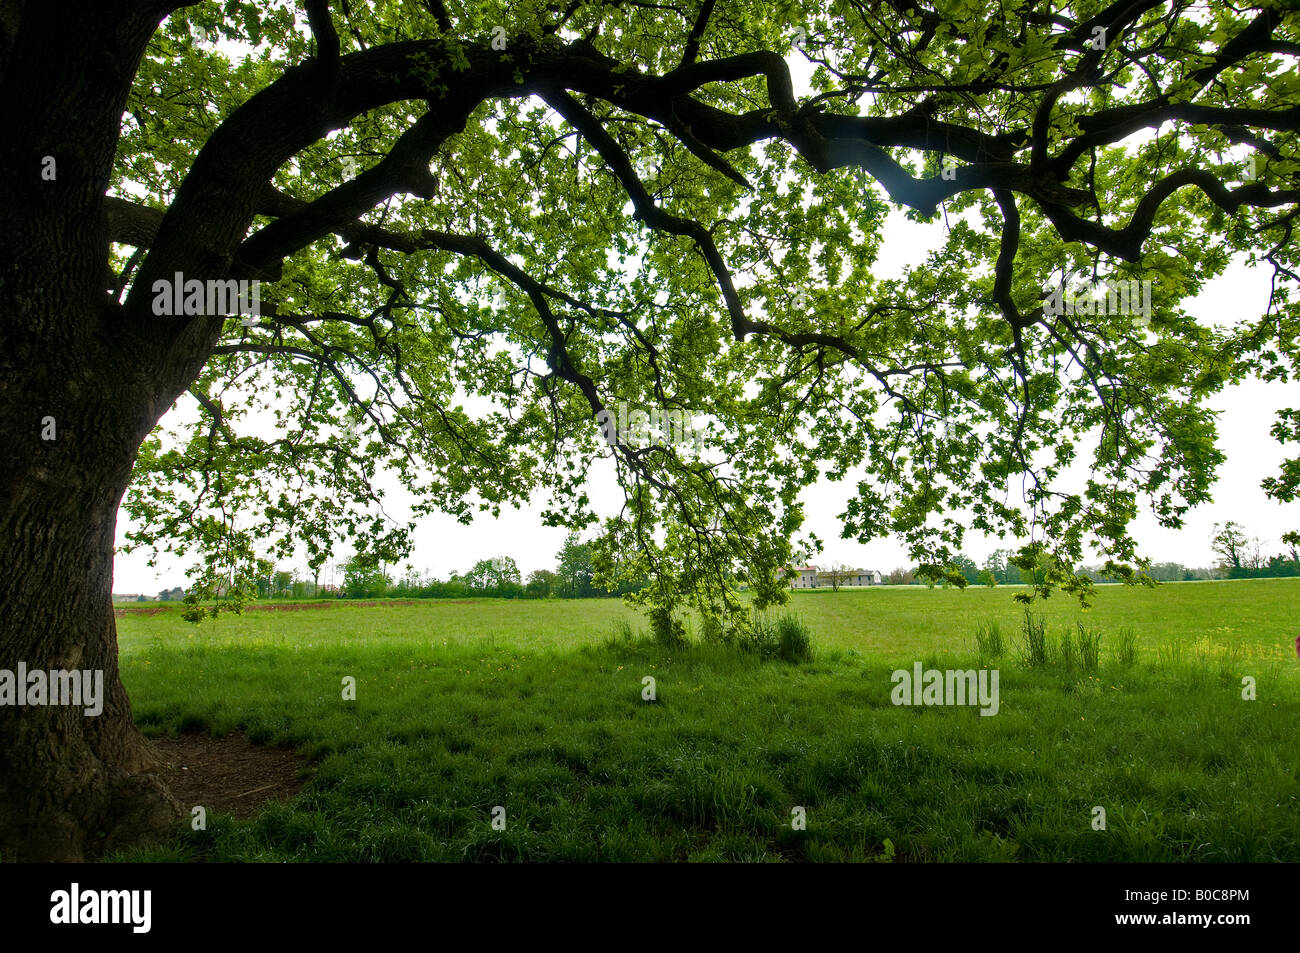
327, 38
692, 49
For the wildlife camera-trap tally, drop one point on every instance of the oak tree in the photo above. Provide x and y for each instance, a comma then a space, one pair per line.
478, 225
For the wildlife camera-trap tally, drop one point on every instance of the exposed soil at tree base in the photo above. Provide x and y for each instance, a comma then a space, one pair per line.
229, 774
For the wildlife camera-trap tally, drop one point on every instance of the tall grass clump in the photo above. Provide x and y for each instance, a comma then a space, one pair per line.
1089, 647
794, 641
1125, 646
770, 637
666, 630
622, 633
760, 636
1034, 648
989, 641
1169, 654
1068, 652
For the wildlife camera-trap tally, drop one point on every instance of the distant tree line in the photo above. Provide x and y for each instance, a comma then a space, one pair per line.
498, 577
1240, 557
997, 570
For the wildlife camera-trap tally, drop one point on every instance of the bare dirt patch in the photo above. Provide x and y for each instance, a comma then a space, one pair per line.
229, 774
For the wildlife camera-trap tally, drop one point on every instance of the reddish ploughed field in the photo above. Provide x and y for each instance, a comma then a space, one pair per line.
121, 611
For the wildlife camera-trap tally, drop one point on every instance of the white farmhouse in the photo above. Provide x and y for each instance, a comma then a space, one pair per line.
811, 577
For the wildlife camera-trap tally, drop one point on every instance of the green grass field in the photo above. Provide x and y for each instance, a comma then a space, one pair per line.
537, 707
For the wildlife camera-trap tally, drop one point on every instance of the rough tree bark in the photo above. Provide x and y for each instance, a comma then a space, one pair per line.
71, 785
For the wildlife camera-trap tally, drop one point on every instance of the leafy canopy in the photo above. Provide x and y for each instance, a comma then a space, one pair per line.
482, 224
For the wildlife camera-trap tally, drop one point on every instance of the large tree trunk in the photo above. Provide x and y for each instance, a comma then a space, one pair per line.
71, 784
72, 415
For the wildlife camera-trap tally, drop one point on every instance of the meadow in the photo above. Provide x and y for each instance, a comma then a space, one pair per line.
537, 707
